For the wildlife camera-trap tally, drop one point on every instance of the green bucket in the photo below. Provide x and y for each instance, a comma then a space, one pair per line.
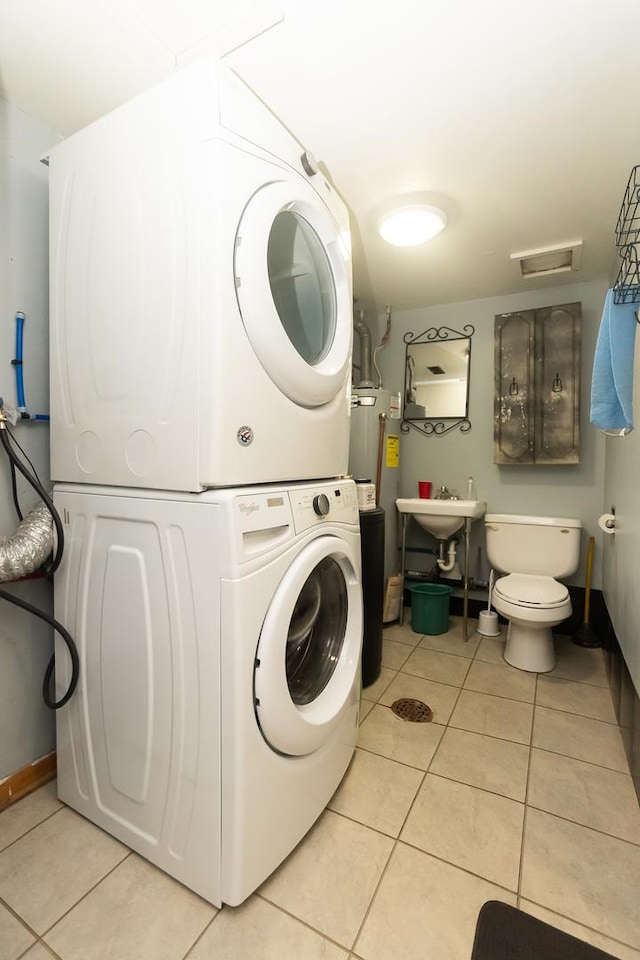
430, 607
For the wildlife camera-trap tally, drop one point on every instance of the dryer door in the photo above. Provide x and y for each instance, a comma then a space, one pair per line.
309, 648
293, 283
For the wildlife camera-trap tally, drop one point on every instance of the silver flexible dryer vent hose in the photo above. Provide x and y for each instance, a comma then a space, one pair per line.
361, 328
29, 547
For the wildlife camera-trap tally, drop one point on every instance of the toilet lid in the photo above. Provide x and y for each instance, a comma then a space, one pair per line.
531, 591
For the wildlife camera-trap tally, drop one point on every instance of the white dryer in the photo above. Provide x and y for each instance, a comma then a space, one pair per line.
219, 638
201, 304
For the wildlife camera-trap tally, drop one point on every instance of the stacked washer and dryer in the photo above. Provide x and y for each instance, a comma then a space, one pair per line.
201, 335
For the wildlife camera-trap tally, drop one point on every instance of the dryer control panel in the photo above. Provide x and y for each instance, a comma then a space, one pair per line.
330, 502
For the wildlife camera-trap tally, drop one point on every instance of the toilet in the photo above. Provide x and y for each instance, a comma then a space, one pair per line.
532, 552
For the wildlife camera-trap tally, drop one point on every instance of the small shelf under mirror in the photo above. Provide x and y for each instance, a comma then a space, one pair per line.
436, 386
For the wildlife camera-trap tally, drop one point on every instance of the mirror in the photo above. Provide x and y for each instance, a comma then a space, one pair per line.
436, 386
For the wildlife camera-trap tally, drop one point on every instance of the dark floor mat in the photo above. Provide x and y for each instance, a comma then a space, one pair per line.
505, 933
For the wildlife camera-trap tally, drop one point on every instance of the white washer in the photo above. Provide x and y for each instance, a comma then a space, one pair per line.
219, 638
201, 300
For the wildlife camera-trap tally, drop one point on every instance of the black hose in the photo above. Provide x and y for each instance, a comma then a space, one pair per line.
73, 653
44, 496
16, 464
24, 453
14, 491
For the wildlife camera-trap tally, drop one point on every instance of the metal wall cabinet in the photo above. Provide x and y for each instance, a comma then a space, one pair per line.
537, 386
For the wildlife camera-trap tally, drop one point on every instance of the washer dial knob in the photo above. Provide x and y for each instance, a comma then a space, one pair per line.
309, 163
321, 504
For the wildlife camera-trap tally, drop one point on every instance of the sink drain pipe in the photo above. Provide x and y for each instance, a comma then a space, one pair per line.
446, 566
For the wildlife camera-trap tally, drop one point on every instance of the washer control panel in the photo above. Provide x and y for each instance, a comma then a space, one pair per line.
332, 501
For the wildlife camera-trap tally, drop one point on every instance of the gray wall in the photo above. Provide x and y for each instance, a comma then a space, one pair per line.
26, 726
570, 491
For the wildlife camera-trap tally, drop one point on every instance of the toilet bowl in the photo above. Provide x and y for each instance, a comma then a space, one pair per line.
532, 605
532, 552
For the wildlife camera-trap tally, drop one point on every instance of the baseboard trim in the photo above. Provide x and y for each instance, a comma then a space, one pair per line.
22, 782
626, 699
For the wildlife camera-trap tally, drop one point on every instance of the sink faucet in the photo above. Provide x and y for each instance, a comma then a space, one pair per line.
445, 494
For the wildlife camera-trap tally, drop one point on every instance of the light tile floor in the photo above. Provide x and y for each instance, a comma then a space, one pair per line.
518, 791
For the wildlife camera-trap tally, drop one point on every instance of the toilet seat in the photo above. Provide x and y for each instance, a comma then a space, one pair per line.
534, 592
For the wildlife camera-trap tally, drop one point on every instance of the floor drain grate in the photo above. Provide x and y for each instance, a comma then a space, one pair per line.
413, 710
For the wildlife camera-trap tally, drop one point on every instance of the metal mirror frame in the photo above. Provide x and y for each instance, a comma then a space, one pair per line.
438, 426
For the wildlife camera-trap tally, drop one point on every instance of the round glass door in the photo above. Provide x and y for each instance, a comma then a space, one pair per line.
316, 632
309, 648
302, 285
293, 284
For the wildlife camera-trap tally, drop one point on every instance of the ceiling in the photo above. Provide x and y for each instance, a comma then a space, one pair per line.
518, 119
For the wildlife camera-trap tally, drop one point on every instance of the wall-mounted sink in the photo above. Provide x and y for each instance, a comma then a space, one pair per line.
441, 518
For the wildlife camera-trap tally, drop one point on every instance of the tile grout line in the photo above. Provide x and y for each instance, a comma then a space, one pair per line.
526, 797
397, 840
39, 942
87, 892
207, 926
304, 923
498, 696
474, 659
418, 676
39, 937
572, 713
402, 763
590, 763
397, 673
456, 866
586, 926
473, 786
583, 683
23, 923
11, 910
33, 827
585, 826
527, 805
394, 847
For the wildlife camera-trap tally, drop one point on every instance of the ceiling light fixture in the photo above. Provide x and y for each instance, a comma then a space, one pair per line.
411, 225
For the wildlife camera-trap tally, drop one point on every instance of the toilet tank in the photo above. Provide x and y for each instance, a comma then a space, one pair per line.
544, 546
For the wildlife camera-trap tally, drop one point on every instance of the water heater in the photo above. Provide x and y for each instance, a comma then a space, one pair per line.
374, 456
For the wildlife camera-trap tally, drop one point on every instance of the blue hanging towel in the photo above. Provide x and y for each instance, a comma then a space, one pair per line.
612, 382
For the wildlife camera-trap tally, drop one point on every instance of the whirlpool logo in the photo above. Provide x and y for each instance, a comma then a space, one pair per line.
244, 436
249, 508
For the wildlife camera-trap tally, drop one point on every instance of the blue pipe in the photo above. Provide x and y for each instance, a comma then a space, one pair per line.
20, 318
18, 364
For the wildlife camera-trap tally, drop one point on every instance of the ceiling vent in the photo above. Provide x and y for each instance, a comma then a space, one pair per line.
547, 261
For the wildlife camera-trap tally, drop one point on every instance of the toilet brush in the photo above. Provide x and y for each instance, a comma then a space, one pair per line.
488, 619
586, 636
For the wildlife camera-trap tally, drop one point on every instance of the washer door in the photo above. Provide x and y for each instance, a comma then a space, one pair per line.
309, 648
293, 284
